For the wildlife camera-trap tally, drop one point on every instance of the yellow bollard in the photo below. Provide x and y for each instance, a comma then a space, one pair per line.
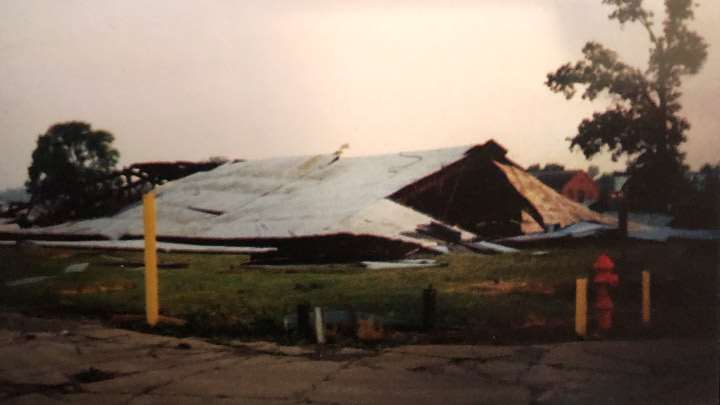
151, 275
581, 306
646, 298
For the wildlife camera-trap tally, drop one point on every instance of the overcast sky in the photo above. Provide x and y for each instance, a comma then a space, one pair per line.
177, 79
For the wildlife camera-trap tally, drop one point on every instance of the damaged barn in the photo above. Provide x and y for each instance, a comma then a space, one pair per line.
472, 193
322, 208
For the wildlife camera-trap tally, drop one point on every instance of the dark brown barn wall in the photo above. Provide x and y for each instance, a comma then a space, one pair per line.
471, 193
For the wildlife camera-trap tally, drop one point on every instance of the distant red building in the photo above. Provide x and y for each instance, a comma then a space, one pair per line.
573, 184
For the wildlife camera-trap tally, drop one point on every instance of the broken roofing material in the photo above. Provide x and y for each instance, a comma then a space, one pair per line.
28, 280
365, 207
489, 247
579, 230
161, 246
637, 231
401, 264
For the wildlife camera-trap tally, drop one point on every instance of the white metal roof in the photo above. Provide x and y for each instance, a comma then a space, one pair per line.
286, 197
313, 196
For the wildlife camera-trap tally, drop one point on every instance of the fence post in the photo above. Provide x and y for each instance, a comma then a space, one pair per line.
581, 306
303, 320
151, 275
428, 307
646, 298
319, 326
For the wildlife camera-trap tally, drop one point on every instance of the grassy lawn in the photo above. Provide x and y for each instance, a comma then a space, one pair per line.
478, 295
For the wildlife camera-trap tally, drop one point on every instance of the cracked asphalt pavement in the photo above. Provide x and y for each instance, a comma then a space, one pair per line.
47, 361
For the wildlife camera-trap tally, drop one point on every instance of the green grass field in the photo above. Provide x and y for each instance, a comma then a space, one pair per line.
478, 294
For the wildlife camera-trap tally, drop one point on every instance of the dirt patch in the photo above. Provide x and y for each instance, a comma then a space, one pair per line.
500, 287
92, 375
128, 320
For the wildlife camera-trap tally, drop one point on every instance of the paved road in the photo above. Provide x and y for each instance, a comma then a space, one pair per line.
53, 362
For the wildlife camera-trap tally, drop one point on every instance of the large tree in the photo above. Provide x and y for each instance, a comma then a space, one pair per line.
68, 167
643, 122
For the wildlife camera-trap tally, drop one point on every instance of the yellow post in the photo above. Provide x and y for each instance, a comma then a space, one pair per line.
151, 276
581, 306
646, 298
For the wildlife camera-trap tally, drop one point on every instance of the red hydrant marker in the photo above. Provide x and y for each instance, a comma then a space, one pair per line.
603, 280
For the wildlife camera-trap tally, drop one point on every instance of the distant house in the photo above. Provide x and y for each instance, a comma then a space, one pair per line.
573, 184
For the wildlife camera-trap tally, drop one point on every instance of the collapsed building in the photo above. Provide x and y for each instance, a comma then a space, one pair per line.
99, 195
330, 208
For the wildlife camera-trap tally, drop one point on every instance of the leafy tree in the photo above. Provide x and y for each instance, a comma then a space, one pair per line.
554, 167
643, 121
701, 209
68, 167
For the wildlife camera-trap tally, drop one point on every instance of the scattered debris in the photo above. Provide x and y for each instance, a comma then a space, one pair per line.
183, 346
345, 320
489, 247
540, 253
663, 233
339, 153
579, 230
206, 211
332, 317
637, 231
76, 268
646, 218
352, 351
402, 264
500, 287
439, 231
29, 280
99, 288
370, 330
442, 249
139, 244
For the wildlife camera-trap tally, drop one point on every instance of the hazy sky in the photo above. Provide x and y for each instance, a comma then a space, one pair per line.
179, 79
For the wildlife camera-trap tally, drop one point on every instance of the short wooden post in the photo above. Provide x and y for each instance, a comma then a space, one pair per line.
646, 298
319, 326
303, 320
428, 308
581, 306
151, 275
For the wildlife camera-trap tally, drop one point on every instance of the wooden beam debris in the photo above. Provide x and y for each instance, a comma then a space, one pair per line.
206, 210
